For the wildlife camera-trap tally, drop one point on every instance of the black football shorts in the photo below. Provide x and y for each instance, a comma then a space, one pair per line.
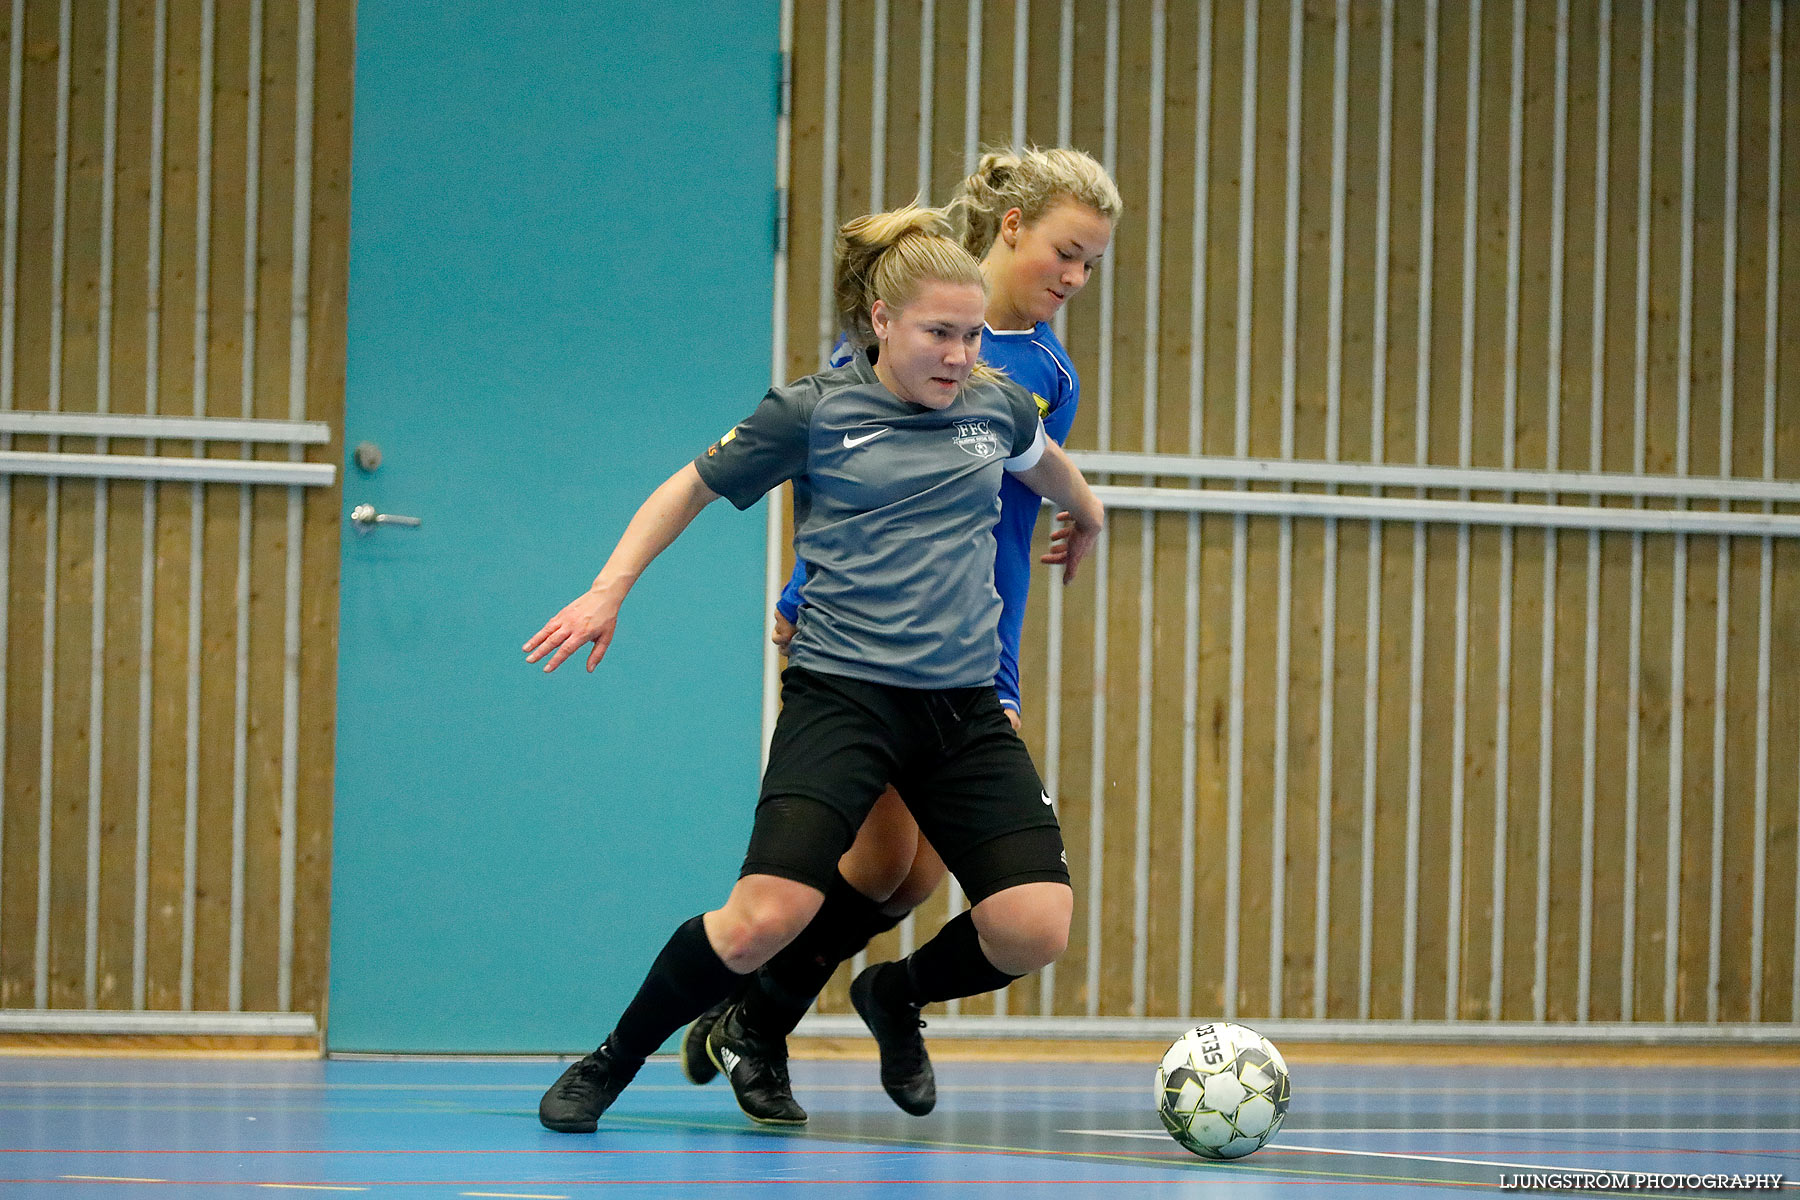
951, 754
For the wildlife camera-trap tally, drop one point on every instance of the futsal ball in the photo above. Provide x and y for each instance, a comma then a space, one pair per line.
1222, 1090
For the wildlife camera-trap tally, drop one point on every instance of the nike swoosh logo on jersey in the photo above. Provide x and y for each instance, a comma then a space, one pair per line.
851, 443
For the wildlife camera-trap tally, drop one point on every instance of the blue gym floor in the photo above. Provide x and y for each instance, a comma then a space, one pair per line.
123, 1128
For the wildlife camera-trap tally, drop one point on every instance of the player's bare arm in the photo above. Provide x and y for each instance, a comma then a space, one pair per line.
593, 615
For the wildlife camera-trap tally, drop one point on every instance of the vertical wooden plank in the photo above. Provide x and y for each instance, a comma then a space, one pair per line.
1613, 694
75, 499
1268, 248
804, 200
1517, 886
1781, 998
218, 548
1168, 694
1041, 72
1700, 609
1168, 684
1486, 432
997, 17
168, 722
950, 51
1579, 263
118, 851
853, 110
1356, 384
1495, 592
268, 546
902, 167
25, 657
1409, 259
1217, 386
1659, 573
1747, 274
1124, 570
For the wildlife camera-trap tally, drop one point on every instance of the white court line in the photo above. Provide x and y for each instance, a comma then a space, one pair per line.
1437, 1158
517, 1195
311, 1187
1385, 1154
1471, 1162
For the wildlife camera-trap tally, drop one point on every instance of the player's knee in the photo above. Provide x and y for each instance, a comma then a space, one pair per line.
1027, 927
1037, 944
875, 870
755, 924
1021, 949
881, 857
922, 879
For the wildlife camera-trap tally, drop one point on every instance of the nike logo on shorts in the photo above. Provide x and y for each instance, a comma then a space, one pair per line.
1044, 796
851, 443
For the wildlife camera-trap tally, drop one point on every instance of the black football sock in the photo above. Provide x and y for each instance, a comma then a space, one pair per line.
948, 967
787, 985
686, 979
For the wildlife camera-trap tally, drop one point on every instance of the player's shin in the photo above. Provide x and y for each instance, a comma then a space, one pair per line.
786, 987
686, 979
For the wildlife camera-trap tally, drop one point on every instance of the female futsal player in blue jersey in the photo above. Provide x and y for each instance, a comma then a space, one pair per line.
1039, 221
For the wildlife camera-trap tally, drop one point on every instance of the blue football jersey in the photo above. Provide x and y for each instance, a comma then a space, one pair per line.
1036, 360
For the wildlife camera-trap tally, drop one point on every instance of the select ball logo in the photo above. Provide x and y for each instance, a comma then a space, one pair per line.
1222, 1090
975, 438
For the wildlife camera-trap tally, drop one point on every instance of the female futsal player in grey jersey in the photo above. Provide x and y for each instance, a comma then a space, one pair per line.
897, 460
1039, 221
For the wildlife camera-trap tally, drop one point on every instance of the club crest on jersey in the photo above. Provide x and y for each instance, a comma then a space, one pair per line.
975, 438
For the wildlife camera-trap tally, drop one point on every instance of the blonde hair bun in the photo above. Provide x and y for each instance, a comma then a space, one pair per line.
1031, 180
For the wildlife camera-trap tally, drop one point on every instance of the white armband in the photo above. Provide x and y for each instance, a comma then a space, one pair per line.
1028, 458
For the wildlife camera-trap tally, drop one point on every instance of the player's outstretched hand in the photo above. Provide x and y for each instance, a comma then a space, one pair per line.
784, 632
1071, 542
590, 617
1059, 539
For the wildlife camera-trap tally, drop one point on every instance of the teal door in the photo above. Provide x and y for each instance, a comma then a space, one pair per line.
560, 286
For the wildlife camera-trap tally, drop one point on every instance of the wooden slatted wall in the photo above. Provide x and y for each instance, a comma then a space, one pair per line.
1465, 314
134, 293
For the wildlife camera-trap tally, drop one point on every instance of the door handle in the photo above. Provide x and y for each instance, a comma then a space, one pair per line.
364, 518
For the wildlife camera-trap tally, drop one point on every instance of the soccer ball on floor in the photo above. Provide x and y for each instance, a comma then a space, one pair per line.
1222, 1090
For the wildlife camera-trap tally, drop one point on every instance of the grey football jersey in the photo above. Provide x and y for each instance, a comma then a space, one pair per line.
894, 509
